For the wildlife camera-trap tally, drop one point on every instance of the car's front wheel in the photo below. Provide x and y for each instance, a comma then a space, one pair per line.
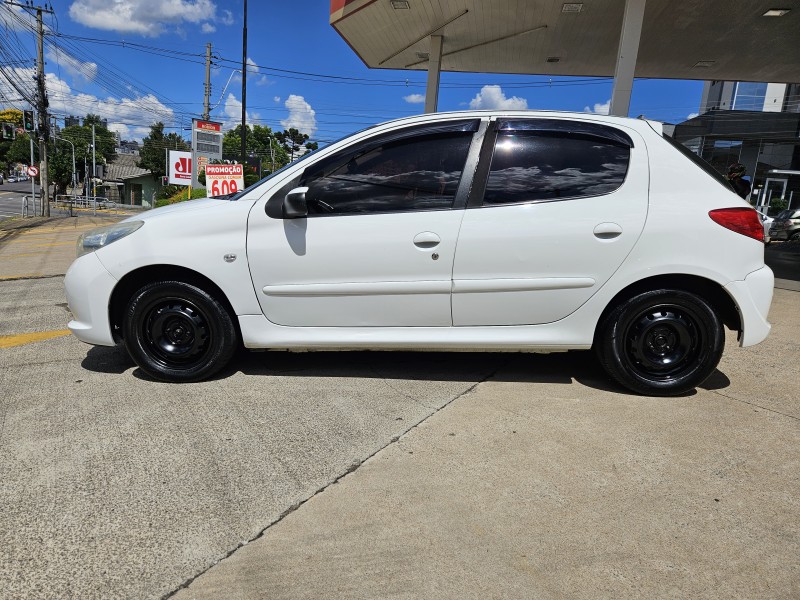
176, 331
661, 342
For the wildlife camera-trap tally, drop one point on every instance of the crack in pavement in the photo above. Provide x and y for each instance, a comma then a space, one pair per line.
350, 469
772, 410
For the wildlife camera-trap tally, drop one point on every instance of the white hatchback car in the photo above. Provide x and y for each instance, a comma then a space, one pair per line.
520, 231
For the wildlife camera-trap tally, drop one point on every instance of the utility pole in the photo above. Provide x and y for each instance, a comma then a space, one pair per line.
244, 87
207, 98
44, 121
94, 168
41, 101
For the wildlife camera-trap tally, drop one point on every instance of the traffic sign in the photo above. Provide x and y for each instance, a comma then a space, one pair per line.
33, 171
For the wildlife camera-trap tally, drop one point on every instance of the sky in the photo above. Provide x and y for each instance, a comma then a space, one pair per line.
135, 62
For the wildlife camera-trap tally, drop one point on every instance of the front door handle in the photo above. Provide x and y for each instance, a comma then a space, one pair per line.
426, 240
607, 231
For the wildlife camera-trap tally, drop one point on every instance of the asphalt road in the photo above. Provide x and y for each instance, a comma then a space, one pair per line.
784, 259
11, 196
363, 475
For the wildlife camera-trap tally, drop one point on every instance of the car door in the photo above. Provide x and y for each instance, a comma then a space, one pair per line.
556, 207
376, 248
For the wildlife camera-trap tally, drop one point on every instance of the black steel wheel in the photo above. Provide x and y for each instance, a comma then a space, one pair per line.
176, 331
663, 342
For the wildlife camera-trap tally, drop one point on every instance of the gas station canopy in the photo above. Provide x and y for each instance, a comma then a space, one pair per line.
756, 40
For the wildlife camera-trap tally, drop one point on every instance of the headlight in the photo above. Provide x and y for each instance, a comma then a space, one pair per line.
102, 236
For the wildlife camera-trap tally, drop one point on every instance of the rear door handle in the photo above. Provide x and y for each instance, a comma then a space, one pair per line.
426, 239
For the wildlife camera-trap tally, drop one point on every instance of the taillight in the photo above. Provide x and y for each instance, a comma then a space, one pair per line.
740, 220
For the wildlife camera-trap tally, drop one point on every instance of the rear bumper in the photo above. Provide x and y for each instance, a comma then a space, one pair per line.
88, 286
753, 296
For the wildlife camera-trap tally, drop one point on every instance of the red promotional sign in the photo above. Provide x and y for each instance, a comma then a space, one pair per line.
180, 167
217, 170
208, 126
222, 180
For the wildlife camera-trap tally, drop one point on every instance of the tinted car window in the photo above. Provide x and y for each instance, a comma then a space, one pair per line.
414, 173
545, 165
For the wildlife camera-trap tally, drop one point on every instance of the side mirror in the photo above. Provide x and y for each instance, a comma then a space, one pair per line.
294, 205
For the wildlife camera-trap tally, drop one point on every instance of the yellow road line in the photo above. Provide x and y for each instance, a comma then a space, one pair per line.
23, 276
9, 341
30, 244
13, 256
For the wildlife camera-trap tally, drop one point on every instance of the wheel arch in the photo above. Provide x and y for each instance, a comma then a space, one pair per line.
137, 278
710, 290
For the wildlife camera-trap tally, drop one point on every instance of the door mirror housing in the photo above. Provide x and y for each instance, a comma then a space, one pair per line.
294, 205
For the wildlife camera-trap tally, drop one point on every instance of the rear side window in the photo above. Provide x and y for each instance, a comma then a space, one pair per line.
542, 165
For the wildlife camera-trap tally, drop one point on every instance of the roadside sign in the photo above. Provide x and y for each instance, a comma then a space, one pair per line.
180, 167
224, 179
32, 171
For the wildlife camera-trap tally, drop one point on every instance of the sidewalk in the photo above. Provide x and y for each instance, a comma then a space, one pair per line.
43, 246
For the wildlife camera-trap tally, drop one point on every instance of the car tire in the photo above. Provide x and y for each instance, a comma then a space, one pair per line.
178, 332
661, 343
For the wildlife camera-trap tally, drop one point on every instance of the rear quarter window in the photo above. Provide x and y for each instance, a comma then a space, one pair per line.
530, 166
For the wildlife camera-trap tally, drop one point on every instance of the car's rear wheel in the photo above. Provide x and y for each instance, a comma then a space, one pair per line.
661, 343
176, 331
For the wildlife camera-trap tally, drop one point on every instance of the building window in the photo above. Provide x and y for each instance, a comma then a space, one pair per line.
749, 96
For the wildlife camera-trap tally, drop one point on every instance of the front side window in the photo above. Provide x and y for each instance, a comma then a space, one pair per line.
421, 172
530, 166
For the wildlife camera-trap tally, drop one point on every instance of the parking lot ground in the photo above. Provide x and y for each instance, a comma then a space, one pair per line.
552, 484
367, 475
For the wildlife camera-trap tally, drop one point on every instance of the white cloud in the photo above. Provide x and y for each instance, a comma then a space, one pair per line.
208, 28
277, 99
21, 20
599, 109
226, 18
692, 116
144, 17
130, 116
233, 113
76, 68
492, 97
253, 74
301, 115
414, 98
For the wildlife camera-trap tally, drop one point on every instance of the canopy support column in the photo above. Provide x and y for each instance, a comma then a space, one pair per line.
434, 70
626, 57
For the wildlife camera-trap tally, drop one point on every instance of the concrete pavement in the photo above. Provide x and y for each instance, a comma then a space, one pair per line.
558, 488
366, 475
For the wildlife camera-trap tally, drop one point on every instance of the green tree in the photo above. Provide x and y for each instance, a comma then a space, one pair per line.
9, 115
292, 140
80, 136
152, 154
20, 150
262, 142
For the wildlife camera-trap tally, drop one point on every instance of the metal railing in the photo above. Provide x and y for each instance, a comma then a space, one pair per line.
27, 201
83, 202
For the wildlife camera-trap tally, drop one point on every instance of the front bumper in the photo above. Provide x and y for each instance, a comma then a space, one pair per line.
753, 296
88, 286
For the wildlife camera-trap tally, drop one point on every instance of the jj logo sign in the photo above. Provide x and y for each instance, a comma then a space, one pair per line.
180, 168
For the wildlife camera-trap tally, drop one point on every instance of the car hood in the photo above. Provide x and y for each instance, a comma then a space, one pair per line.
189, 206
